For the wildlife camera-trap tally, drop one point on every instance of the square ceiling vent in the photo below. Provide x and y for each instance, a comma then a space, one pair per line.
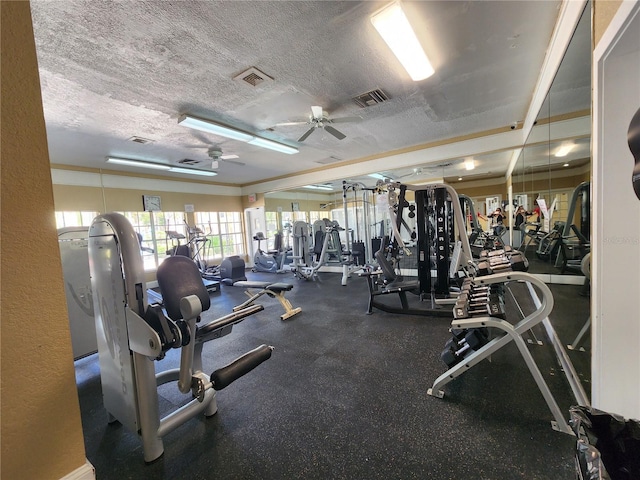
253, 77
371, 98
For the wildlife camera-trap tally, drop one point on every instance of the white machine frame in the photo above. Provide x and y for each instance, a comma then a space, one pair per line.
128, 346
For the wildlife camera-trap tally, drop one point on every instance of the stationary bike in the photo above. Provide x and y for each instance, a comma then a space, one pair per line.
262, 261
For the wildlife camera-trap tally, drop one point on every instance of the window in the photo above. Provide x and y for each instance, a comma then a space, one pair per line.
318, 215
272, 229
231, 233
224, 232
143, 225
75, 219
212, 248
170, 230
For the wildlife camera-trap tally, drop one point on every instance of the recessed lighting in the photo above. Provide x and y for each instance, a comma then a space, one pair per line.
564, 150
459, 178
565, 165
469, 164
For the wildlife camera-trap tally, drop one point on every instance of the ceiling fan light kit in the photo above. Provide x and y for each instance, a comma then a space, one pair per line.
209, 126
394, 28
158, 166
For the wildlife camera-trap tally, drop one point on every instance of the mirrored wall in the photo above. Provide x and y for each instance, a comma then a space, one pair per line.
551, 178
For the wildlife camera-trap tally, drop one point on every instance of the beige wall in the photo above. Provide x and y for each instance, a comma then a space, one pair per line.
272, 204
41, 429
603, 12
73, 198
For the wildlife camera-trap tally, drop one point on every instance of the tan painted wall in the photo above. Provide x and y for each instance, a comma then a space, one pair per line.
272, 204
603, 12
41, 429
73, 198
484, 191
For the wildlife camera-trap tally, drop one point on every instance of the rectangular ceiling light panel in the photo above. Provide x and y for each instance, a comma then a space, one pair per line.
137, 163
394, 27
230, 132
215, 128
271, 145
193, 171
158, 166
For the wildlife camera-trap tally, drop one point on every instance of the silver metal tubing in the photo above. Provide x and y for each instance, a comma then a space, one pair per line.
568, 368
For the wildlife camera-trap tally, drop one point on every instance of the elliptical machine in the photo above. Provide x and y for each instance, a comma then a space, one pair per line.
262, 261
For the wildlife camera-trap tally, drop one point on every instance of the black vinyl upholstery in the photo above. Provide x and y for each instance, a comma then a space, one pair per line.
179, 277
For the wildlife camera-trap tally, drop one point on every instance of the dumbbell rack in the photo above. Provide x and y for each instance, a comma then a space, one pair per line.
510, 333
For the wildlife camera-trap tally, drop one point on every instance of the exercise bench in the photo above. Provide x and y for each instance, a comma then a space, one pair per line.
274, 290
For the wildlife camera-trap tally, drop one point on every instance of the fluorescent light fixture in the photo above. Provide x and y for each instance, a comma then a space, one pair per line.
158, 166
213, 127
193, 171
395, 29
469, 164
564, 150
377, 176
137, 163
235, 134
271, 145
319, 187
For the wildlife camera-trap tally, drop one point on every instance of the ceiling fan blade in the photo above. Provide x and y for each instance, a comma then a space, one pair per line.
201, 137
316, 111
306, 134
233, 161
334, 132
345, 119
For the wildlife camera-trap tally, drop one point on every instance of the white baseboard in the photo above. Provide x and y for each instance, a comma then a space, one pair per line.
85, 472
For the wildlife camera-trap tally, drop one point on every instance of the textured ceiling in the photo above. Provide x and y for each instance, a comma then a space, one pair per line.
114, 70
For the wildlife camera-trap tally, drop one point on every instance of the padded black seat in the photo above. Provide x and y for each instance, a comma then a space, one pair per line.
179, 277
276, 287
274, 290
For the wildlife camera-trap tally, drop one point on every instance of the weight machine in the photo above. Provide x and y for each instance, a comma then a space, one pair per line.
574, 241
132, 335
443, 251
327, 248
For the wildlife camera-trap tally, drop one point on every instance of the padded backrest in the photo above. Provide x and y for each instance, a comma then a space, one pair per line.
277, 241
318, 242
179, 277
384, 264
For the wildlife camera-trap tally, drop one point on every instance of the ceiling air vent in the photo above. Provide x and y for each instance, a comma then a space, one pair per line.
140, 140
371, 98
325, 161
253, 77
188, 161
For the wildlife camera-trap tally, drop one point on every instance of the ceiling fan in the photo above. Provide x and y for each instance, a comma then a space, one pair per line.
215, 152
320, 119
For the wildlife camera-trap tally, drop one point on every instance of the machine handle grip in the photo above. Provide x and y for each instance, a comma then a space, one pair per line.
224, 376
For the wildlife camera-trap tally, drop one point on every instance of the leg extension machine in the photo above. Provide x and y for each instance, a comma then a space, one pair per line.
132, 335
